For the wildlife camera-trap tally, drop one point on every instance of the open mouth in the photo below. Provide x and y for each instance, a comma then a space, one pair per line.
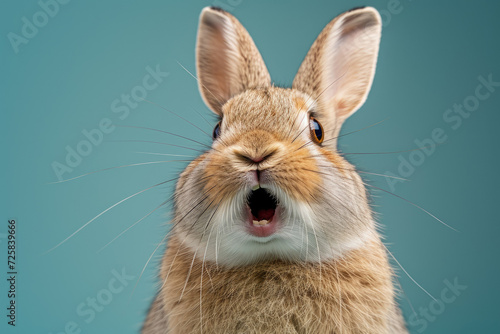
262, 212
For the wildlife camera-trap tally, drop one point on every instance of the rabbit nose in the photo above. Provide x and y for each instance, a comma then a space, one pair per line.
257, 159
253, 158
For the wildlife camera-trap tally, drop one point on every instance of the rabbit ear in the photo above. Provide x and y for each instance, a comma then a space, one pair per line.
228, 62
339, 68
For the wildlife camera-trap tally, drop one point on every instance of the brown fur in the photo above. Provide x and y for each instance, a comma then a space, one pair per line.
352, 295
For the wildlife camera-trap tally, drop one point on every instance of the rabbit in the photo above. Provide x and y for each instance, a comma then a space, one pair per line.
272, 229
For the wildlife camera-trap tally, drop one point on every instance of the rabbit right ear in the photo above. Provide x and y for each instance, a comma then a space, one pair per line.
227, 60
338, 70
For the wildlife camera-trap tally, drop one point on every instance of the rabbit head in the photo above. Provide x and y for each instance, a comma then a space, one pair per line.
273, 186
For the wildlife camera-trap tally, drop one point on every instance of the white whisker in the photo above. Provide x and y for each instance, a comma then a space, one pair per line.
103, 212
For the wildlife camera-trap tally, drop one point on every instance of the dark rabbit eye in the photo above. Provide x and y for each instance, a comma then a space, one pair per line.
316, 130
216, 132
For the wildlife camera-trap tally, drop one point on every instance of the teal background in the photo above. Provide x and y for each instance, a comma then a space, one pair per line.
65, 79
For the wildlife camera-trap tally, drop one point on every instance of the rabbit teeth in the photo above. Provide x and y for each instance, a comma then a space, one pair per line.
261, 223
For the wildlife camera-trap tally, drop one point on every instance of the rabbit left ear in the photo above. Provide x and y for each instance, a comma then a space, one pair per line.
228, 62
339, 68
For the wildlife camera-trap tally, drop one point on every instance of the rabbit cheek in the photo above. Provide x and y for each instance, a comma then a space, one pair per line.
336, 160
222, 181
299, 175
